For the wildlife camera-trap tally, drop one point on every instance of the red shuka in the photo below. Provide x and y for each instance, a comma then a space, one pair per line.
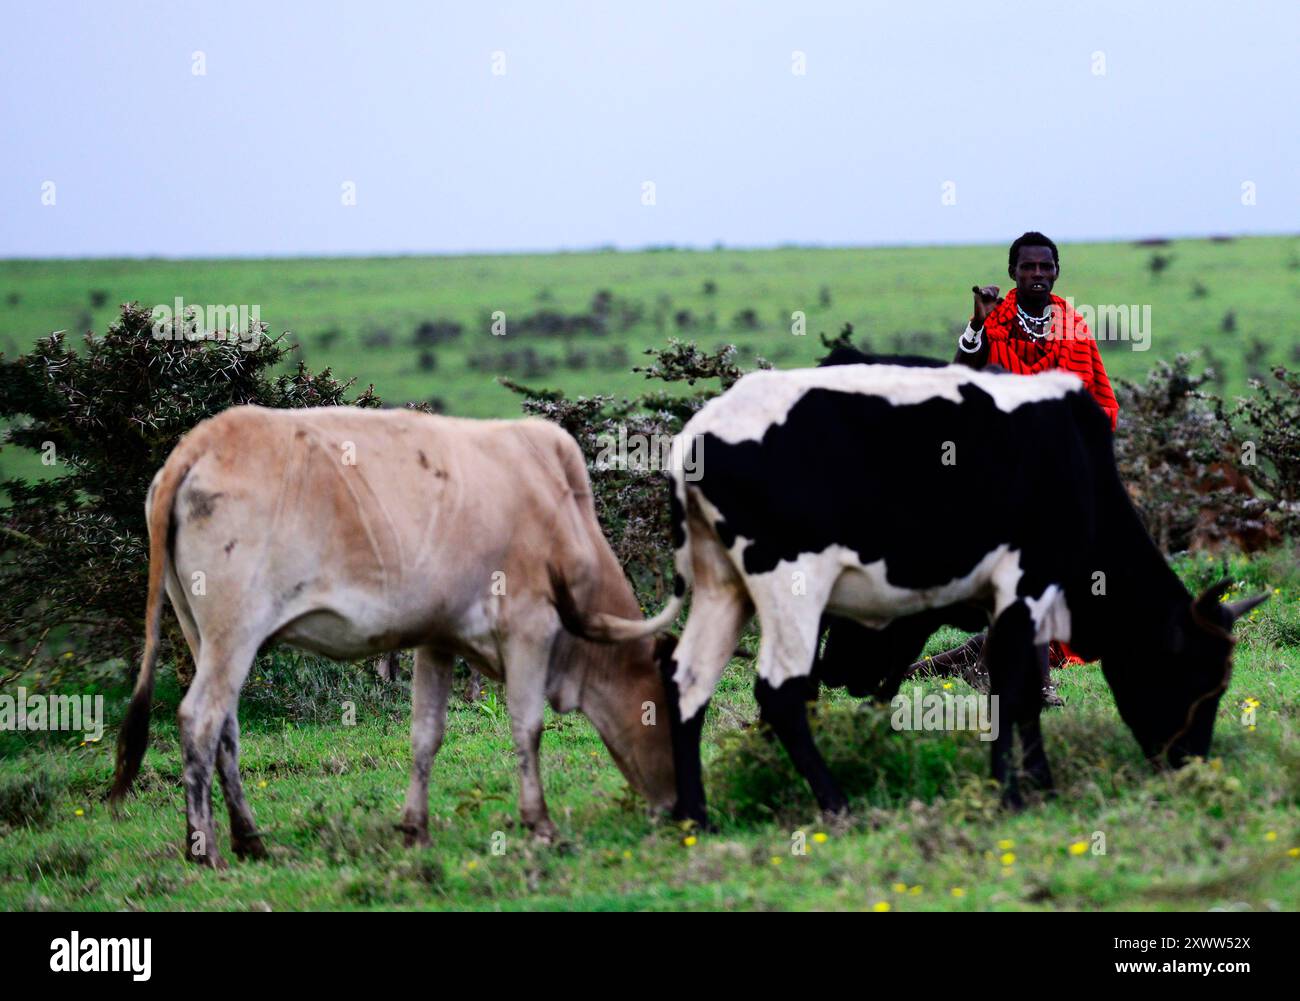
1068, 346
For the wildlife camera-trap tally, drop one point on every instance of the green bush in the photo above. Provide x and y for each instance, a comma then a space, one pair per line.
73, 548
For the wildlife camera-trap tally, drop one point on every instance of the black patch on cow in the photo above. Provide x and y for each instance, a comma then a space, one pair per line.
230, 546
852, 356
424, 462
201, 503
855, 470
679, 585
676, 516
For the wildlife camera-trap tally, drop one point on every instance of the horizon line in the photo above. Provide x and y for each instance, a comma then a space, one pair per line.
651, 248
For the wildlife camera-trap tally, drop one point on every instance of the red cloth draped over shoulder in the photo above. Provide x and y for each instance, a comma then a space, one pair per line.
1069, 345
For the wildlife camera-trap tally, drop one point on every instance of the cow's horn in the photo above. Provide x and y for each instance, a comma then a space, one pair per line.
1239, 608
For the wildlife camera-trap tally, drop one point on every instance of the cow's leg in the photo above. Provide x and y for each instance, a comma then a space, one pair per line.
244, 839
1029, 727
718, 614
687, 766
790, 614
1037, 769
212, 698
386, 665
1013, 681
525, 673
431, 682
785, 710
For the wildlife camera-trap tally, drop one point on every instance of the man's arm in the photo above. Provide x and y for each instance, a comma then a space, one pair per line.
972, 345
972, 348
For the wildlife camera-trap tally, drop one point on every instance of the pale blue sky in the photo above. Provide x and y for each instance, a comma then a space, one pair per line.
597, 98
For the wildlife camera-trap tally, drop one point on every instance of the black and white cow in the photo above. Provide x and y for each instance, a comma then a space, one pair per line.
900, 498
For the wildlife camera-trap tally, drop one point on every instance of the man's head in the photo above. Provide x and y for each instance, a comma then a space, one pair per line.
1034, 265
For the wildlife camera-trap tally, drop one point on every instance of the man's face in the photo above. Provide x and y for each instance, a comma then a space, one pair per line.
1035, 273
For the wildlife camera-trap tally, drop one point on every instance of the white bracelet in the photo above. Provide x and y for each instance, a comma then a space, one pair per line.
978, 335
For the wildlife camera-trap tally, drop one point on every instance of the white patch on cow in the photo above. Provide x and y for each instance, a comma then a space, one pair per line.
761, 399
1005, 578
1051, 615
1049, 612
839, 583
865, 594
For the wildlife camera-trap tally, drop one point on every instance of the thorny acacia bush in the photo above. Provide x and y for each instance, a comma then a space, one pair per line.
74, 553
1206, 474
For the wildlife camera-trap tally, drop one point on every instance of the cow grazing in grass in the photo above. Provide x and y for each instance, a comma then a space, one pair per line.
900, 498
351, 532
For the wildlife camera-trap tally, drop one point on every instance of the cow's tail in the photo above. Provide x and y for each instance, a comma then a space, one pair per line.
601, 627
133, 735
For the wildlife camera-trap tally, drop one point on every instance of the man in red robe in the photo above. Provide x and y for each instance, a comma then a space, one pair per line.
1029, 331
1032, 330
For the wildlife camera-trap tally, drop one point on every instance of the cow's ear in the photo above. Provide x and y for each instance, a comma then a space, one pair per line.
1209, 612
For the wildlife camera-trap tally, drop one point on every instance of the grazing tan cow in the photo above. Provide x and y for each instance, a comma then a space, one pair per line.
351, 532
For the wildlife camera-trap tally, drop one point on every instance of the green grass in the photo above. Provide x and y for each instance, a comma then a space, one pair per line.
1215, 834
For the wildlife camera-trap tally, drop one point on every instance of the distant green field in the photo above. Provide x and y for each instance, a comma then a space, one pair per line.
913, 299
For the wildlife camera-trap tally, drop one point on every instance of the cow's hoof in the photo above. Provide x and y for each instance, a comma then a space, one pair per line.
696, 822
249, 848
544, 831
835, 811
1013, 801
1051, 698
414, 835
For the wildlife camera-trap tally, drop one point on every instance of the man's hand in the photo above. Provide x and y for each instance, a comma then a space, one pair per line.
986, 300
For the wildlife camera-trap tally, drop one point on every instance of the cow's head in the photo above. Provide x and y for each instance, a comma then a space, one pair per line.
625, 701
1169, 695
